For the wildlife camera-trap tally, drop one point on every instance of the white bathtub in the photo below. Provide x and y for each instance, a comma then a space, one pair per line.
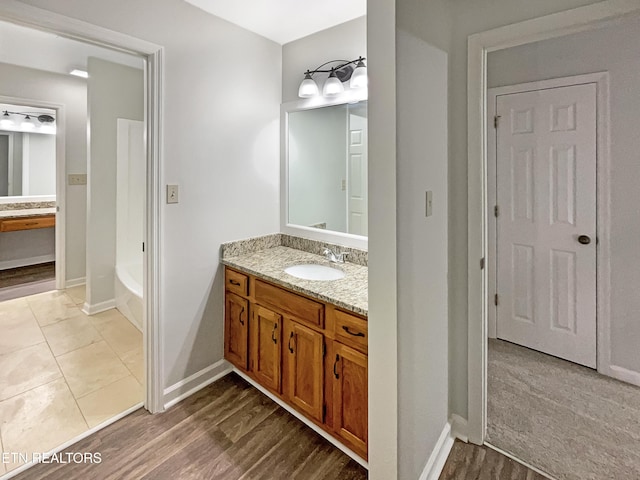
128, 290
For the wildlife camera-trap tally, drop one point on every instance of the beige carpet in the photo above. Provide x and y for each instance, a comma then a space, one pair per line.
567, 420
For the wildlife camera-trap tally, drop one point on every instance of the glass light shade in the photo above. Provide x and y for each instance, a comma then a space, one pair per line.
359, 76
6, 120
332, 86
28, 123
308, 87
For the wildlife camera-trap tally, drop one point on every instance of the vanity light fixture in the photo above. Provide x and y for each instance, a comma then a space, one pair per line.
333, 85
29, 119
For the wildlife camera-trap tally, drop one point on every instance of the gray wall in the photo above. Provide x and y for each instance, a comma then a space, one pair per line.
71, 92
613, 49
114, 91
471, 16
221, 145
346, 41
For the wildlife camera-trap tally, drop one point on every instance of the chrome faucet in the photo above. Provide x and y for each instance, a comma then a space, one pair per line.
334, 257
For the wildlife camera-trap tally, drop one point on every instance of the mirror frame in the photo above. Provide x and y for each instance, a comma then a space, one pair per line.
329, 236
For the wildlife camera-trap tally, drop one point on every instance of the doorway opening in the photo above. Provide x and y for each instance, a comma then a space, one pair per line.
91, 361
551, 203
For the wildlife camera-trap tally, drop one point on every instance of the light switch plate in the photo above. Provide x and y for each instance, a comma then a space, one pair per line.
429, 203
172, 193
77, 179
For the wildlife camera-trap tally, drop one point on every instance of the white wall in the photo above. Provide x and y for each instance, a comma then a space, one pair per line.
422, 146
613, 49
346, 41
38, 164
113, 91
317, 167
71, 92
4, 164
471, 16
221, 146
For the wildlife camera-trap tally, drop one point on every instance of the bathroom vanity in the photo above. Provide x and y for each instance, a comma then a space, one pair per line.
304, 341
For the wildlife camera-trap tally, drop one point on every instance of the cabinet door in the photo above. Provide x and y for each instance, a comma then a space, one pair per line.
350, 396
236, 328
304, 369
266, 352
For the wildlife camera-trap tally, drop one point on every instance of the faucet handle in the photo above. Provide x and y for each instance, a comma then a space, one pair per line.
341, 255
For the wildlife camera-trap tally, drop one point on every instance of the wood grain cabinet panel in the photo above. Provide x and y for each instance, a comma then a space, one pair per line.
236, 282
236, 330
304, 373
350, 409
265, 346
351, 330
302, 308
27, 223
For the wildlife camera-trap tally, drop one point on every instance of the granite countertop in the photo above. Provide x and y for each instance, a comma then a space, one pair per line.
30, 212
350, 292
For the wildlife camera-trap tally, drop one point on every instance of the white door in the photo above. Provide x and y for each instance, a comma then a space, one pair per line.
357, 174
546, 225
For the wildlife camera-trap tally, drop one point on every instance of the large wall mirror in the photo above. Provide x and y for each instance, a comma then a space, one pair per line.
326, 166
27, 153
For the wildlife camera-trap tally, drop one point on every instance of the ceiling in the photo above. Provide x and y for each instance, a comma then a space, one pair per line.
284, 20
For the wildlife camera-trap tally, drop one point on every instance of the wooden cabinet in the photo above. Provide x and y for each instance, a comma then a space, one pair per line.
350, 396
304, 372
27, 223
236, 322
310, 354
266, 351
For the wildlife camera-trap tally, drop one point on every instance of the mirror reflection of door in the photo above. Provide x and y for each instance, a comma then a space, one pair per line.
357, 171
327, 168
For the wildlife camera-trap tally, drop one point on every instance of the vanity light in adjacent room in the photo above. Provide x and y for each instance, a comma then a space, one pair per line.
28, 123
79, 73
6, 120
333, 85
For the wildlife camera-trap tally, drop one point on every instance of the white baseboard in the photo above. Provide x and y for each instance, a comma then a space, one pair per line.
25, 262
459, 428
76, 282
98, 307
439, 455
190, 385
336, 443
624, 374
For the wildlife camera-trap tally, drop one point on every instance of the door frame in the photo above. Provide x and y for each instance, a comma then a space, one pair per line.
16, 12
603, 202
479, 45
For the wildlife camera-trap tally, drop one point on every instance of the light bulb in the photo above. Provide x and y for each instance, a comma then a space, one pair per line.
27, 123
359, 76
6, 120
332, 86
308, 87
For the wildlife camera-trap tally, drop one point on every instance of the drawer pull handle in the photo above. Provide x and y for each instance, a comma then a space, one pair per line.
273, 333
240, 317
357, 334
289, 344
335, 365
29, 224
233, 282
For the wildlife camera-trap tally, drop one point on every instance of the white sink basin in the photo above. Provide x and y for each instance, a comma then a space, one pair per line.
315, 272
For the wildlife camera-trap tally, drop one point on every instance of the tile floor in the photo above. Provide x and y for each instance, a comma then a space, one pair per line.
62, 372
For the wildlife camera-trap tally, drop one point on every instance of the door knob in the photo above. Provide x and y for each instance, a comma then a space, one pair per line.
584, 239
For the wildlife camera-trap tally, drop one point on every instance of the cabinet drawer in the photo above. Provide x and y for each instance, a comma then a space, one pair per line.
351, 330
236, 282
302, 308
27, 223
